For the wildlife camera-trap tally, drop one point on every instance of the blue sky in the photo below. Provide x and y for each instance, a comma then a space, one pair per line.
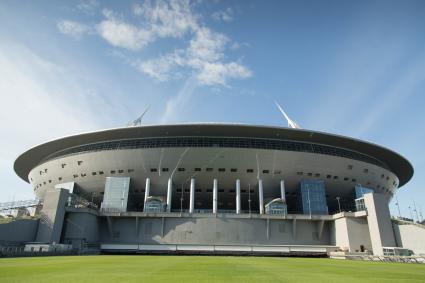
355, 68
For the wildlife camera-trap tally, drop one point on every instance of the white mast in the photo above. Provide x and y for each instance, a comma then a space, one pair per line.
291, 123
138, 121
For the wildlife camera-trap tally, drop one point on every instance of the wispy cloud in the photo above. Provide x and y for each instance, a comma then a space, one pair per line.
73, 29
40, 101
88, 7
177, 103
225, 16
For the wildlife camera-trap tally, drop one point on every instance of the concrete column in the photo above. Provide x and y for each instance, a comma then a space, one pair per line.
260, 196
238, 196
215, 189
282, 190
192, 195
147, 189
169, 194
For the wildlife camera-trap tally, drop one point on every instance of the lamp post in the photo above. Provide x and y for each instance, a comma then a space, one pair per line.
339, 204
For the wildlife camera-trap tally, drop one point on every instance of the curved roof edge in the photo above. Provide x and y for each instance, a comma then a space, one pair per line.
397, 163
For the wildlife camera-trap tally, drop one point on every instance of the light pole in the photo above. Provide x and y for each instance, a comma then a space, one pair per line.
339, 204
411, 214
398, 206
309, 204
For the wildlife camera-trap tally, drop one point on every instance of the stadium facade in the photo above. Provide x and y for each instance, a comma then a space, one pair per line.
215, 188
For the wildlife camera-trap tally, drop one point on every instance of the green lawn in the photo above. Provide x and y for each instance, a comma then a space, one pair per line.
120, 269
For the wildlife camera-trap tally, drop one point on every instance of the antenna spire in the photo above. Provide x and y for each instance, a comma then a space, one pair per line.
291, 123
138, 121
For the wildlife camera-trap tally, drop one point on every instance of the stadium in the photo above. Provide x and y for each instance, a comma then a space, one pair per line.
214, 188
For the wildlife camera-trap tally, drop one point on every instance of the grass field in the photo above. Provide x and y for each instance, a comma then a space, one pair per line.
120, 269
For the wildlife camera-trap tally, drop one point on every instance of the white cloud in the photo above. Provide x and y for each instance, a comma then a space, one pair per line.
73, 29
204, 56
219, 73
225, 16
207, 45
121, 34
168, 19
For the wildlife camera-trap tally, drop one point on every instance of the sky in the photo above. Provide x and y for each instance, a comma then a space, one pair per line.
354, 68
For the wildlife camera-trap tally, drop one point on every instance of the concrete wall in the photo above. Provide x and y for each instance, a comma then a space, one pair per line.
80, 226
52, 216
410, 237
350, 233
19, 231
212, 231
379, 220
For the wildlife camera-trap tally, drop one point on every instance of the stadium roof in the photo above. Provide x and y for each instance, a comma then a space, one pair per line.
396, 163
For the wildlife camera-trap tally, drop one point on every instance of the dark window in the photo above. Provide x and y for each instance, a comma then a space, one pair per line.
353, 180
181, 169
349, 167
243, 191
63, 165
365, 170
75, 175
130, 170
165, 169
328, 176
112, 171
209, 169
120, 171
186, 190
335, 177
100, 172
317, 175
93, 173
250, 170
50, 181
233, 170
209, 190
79, 162
45, 170
346, 178
310, 174
197, 169
44, 183
83, 174
266, 171
154, 170
277, 172
179, 190
300, 173
221, 191
382, 176
60, 178
198, 190
221, 169
232, 191
251, 191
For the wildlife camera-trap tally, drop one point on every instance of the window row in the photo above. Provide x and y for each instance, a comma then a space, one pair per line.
227, 142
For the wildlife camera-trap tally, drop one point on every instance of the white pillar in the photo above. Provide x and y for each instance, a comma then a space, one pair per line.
192, 195
147, 189
169, 194
282, 190
260, 196
215, 188
238, 196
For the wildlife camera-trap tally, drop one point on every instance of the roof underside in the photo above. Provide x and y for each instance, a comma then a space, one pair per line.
396, 163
